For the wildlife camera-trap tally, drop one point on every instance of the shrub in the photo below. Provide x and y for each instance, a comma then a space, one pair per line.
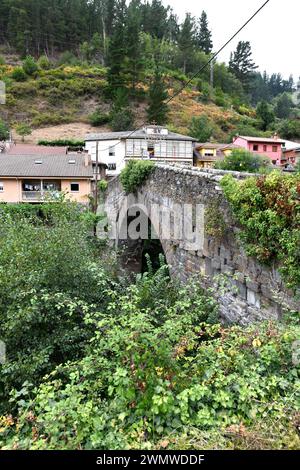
45, 286
122, 120
4, 130
267, 209
44, 63
242, 160
63, 143
18, 74
68, 58
215, 225
29, 65
23, 130
135, 173
2, 60
99, 118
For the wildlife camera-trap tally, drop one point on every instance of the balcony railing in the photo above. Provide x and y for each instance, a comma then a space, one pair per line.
37, 196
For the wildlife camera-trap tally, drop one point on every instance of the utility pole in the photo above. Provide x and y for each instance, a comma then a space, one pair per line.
97, 173
212, 73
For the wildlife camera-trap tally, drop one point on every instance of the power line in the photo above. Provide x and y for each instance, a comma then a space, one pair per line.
212, 58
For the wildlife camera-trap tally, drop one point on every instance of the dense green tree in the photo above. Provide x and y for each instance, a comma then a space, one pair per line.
135, 59
201, 128
283, 106
117, 51
204, 40
265, 114
241, 63
4, 131
242, 160
186, 41
157, 112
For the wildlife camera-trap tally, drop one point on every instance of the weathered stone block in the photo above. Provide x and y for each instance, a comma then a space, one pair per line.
254, 286
253, 298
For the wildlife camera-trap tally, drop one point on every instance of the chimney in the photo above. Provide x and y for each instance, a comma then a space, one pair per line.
275, 136
87, 160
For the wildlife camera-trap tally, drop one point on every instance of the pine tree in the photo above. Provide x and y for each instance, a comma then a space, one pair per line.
241, 63
266, 114
157, 111
135, 60
117, 51
186, 41
204, 40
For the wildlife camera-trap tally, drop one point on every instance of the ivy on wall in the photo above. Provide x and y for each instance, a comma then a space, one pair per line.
268, 210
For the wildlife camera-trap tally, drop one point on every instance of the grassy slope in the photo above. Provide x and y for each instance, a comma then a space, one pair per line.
67, 95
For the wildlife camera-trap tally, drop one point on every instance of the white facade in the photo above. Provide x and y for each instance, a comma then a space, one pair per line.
153, 143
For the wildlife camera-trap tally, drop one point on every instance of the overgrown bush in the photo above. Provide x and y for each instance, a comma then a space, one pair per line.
30, 66
47, 287
268, 210
122, 120
44, 63
63, 143
98, 118
18, 74
143, 385
242, 160
135, 173
4, 130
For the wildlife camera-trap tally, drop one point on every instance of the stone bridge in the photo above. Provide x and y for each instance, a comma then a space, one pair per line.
249, 292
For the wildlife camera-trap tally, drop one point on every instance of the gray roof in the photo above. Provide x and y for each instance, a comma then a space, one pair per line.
139, 134
55, 166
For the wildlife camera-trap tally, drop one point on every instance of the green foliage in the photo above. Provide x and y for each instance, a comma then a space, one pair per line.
30, 66
215, 225
157, 112
44, 63
4, 130
122, 120
241, 63
62, 143
242, 160
144, 383
135, 173
103, 185
289, 129
201, 128
98, 118
23, 130
268, 210
265, 114
45, 288
18, 74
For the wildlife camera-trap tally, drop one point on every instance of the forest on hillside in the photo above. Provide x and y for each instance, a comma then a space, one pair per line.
139, 43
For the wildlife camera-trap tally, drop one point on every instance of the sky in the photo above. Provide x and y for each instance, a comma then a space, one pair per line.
274, 33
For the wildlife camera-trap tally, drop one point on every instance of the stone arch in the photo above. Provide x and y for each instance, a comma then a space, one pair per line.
138, 235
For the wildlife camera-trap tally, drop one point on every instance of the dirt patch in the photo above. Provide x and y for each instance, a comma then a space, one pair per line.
75, 130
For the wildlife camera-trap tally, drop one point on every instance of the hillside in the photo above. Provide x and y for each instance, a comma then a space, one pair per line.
57, 103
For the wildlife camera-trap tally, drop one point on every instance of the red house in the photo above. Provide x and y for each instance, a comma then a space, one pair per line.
271, 148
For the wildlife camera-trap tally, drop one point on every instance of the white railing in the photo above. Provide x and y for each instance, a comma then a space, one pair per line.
36, 196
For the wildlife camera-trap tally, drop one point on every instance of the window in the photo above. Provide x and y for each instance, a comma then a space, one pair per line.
151, 149
274, 148
1, 187
265, 148
111, 152
74, 187
255, 147
112, 166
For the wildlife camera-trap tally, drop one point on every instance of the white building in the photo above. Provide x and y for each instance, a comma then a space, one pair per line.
153, 142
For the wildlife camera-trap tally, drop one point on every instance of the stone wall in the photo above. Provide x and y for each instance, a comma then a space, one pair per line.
249, 290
